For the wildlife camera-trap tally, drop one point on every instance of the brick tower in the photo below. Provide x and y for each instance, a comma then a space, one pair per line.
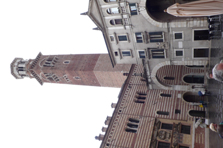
80, 69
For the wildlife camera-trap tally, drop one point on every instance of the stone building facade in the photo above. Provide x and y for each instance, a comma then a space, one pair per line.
156, 118
82, 69
139, 29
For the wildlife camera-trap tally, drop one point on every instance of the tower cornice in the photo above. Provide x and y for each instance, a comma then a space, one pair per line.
13, 68
35, 61
36, 76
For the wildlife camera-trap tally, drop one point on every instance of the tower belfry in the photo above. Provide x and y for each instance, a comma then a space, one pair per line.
78, 69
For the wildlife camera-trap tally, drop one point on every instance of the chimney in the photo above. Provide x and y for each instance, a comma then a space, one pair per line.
104, 129
113, 105
100, 137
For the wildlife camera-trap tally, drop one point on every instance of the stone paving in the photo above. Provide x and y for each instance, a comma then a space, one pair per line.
215, 107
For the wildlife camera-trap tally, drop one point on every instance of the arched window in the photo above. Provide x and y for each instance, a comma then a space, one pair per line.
130, 130
165, 95
113, 10
162, 113
168, 78
141, 97
194, 79
133, 120
139, 101
141, 93
116, 22
196, 113
132, 125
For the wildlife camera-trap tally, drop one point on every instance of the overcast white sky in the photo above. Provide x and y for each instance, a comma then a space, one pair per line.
52, 115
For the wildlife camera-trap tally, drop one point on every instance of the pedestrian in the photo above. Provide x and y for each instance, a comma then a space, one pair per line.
217, 128
200, 104
200, 123
217, 72
204, 93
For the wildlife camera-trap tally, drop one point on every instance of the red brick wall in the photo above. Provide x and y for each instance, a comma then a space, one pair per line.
199, 141
116, 136
176, 71
109, 76
93, 70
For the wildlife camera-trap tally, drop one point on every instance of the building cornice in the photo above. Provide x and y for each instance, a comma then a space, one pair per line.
35, 61
113, 117
36, 77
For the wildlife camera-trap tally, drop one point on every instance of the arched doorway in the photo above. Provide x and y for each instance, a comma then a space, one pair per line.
192, 97
199, 79
196, 113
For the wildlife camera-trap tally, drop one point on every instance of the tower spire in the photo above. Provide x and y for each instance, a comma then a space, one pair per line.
84, 13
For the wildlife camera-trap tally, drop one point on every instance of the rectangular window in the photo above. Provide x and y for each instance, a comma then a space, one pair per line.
118, 21
185, 129
139, 37
133, 8
112, 38
122, 38
178, 35
167, 126
201, 53
116, 53
178, 52
201, 35
142, 54
163, 145
114, 10
157, 53
156, 37
126, 53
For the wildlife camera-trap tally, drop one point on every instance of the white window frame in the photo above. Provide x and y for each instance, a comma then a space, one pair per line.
139, 54
115, 23
193, 34
141, 35
111, 11
174, 32
175, 55
123, 35
126, 51
136, 5
152, 36
200, 48
151, 53
109, 1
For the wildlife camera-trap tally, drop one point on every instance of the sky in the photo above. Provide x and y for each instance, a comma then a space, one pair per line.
52, 115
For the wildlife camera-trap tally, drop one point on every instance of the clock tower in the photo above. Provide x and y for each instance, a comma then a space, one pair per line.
78, 69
